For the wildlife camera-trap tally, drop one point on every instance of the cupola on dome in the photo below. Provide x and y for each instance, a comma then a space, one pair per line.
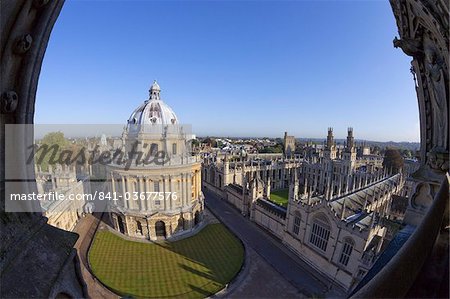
153, 111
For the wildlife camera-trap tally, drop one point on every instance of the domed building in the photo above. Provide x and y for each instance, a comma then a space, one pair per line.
157, 186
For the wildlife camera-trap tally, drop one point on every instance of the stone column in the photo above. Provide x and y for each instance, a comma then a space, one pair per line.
124, 189
130, 187
145, 190
194, 184
113, 187
164, 189
183, 190
170, 189
142, 195
199, 184
189, 188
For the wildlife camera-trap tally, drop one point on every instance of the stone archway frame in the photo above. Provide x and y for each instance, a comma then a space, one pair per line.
159, 227
423, 28
25, 29
25, 33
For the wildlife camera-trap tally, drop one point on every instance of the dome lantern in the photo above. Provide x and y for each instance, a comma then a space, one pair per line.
154, 91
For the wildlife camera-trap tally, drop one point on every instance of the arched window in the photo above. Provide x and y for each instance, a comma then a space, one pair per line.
153, 149
320, 232
174, 148
121, 224
347, 249
139, 227
160, 229
212, 178
196, 218
296, 227
180, 226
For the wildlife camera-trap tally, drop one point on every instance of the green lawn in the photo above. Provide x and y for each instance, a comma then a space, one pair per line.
195, 267
280, 197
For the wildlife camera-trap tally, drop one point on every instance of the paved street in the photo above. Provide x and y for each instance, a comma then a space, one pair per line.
308, 281
260, 280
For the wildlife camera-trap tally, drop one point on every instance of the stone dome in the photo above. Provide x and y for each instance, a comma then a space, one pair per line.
153, 111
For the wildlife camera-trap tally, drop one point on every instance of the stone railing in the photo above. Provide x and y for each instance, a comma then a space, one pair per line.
176, 160
397, 276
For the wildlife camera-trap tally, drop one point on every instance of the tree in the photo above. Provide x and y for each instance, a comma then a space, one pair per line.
54, 138
55, 143
271, 149
393, 160
195, 142
212, 142
279, 141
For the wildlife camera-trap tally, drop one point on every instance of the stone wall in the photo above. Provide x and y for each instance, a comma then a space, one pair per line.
273, 222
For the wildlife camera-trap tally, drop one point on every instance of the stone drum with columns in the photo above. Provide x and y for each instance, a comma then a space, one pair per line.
158, 196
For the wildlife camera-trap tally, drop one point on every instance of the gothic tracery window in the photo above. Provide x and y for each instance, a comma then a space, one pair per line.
347, 249
296, 227
174, 148
320, 233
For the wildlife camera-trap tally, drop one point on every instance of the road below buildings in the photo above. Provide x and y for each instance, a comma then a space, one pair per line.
307, 280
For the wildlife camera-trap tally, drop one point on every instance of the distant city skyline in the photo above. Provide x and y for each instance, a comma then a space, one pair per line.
115, 131
240, 68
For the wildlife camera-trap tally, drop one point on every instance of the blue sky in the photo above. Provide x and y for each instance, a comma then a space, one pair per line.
233, 68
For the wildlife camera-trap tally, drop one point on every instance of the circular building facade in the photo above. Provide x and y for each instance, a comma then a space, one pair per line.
157, 186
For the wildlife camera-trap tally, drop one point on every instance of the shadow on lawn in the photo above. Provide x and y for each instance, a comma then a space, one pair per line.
200, 290
213, 248
215, 284
204, 249
200, 273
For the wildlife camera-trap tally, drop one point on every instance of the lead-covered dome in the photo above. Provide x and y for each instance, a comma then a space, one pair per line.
153, 111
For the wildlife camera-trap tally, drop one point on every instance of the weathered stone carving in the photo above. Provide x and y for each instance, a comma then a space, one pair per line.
434, 72
423, 28
422, 197
23, 44
9, 101
411, 47
438, 160
40, 3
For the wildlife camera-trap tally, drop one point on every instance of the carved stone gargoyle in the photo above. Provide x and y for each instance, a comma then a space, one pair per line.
411, 47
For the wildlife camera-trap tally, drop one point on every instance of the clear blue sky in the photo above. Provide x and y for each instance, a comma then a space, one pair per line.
233, 68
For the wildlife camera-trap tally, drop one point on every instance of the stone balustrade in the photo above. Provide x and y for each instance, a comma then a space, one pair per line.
395, 279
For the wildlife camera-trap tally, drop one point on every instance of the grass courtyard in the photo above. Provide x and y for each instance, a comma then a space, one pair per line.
280, 197
195, 267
